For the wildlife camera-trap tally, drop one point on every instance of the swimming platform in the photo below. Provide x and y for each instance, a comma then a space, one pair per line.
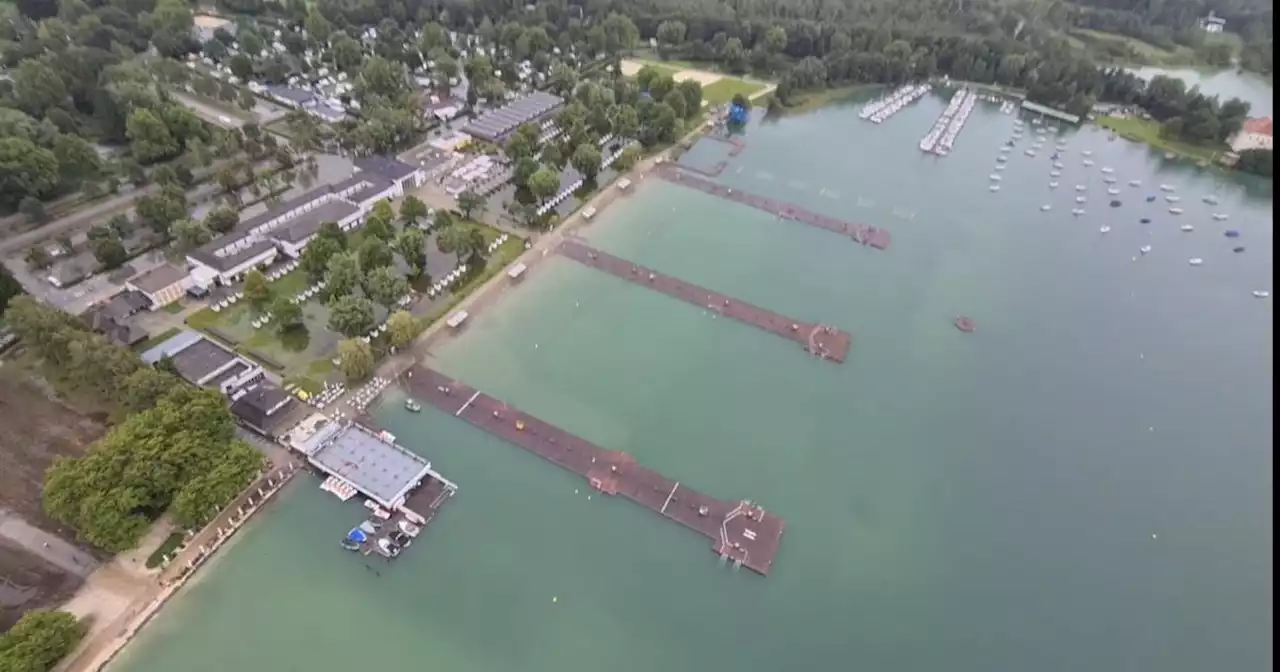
821, 340
740, 531
865, 234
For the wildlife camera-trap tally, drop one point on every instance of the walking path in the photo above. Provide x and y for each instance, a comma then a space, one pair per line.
48, 546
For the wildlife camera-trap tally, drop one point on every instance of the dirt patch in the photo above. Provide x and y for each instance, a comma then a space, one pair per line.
34, 430
700, 76
28, 582
630, 67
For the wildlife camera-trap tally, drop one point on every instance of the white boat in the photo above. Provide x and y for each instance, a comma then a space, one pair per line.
1088, 162
1261, 293
1055, 173
1058, 165
1087, 152
1001, 167
1045, 207
1080, 199
1053, 185
1195, 261
1172, 199
1004, 149
1187, 227
1077, 212
1220, 216
1175, 211
1166, 187
1144, 249
1079, 187
994, 177
1108, 169
1135, 183
409, 529
994, 187
1030, 152
1104, 229
1211, 199
388, 548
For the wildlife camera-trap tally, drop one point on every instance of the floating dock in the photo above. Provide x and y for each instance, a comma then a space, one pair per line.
862, 233
740, 531
821, 340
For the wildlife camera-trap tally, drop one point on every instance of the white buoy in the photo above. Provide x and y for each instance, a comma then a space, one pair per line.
1154, 535
555, 599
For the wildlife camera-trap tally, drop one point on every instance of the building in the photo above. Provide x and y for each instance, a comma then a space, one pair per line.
497, 125
204, 363
111, 318
1213, 24
372, 463
454, 141
161, 285
266, 409
288, 227
1254, 134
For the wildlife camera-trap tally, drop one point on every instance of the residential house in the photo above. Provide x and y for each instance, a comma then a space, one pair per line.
1254, 134
161, 285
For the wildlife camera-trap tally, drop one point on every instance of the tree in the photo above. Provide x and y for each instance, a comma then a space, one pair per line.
351, 316
563, 79
331, 231
37, 88
464, 241
76, 158
285, 313
39, 640
670, 34
190, 234
342, 275
1256, 161
355, 359
256, 290
316, 255
241, 66
627, 159
525, 168
469, 201
385, 286
141, 389
544, 184
411, 244
375, 253
222, 220
38, 257
692, 92
379, 228
412, 210
25, 170
160, 211
587, 159
627, 123
402, 328
107, 248
149, 138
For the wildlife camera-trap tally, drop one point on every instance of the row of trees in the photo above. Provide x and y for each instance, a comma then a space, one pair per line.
175, 450
39, 640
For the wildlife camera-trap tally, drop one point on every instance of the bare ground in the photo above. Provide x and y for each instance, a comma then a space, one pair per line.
28, 582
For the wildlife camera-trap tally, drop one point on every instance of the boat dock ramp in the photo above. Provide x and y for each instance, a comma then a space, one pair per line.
740, 531
821, 340
862, 233
402, 492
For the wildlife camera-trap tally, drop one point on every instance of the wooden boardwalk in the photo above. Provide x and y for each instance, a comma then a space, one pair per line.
739, 530
824, 341
862, 233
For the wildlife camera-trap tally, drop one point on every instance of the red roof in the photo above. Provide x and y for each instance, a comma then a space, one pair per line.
1262, 126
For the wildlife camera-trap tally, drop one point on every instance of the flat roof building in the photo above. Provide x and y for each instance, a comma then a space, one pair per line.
204, 363
497, 125
161, 285
373, 463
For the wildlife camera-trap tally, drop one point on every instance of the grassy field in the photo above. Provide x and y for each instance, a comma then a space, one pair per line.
1148, 131
1121, 49
724, 90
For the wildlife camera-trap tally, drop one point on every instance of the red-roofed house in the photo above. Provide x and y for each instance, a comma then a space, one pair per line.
1254, 134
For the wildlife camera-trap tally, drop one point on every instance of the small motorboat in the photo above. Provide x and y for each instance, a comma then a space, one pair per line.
1238, 250
1220, 216
1058, 165
1144, 249
994, 177
1104, 229
1115, 204
1172, 199
412, 406
1175, 211
1077, 212
1108, 169
1001, 166
409, 528
1231, 233
1113, 191
1053, 185
1211, 199
1166, 187
1087, 152
388, 548
1187, 227
1045, 207
1030, 152
1135, 183
1080, 187
1002, 158
1144, 220
1081, 199
1109, 179
1088, 162
994, 187
1195, 261
1151, 199
1055, 173
1261, 293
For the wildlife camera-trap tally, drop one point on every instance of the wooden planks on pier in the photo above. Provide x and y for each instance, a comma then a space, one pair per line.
862, 233
739, 530
822, 340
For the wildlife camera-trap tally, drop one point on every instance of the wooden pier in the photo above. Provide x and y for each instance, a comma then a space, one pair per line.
740, 531
824, 341
862, 233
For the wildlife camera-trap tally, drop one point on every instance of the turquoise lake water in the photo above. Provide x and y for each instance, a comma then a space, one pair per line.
1083, 483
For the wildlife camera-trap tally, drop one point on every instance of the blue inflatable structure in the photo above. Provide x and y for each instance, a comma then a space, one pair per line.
738, 115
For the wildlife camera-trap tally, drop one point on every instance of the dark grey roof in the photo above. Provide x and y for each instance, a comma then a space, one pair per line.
374, 185
208, 254
285, 206
265, 408
289, 93
199, 359
498, 123
232, 371
307, 223
385, 166
158, 278
381, 470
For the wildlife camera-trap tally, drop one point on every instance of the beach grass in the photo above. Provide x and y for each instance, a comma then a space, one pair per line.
1148, 131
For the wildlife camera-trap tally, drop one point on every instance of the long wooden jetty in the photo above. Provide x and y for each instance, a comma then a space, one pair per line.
862, 233
822, 340
740, 531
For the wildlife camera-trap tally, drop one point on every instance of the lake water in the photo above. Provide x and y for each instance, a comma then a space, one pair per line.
1083, 483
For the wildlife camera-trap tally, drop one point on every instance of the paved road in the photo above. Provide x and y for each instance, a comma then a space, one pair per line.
45, 545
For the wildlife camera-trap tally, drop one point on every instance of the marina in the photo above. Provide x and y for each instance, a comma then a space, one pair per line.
823, 341
402, 492
740, 531
879, 110
871, 236
933, 139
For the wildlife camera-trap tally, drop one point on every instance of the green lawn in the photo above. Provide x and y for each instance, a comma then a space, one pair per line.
724, 90
175, 307
1148, 131
170, 543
